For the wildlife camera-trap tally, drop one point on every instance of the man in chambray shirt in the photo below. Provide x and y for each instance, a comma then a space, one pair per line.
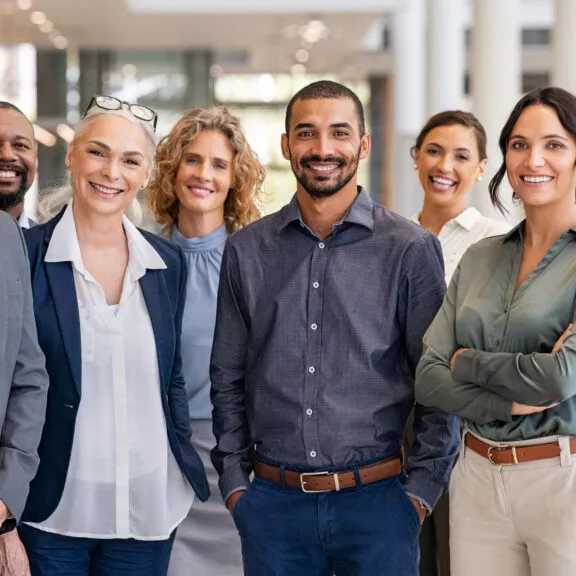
321, 311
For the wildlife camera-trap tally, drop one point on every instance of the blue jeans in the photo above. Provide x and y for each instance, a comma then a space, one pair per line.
369, 530
56, 555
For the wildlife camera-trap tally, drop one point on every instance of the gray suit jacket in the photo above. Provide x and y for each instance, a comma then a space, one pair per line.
23, 377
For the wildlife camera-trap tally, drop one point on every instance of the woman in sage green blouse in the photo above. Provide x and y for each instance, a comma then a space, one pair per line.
207, 184
501, 354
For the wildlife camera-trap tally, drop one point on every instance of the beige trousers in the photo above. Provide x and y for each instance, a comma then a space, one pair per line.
515, 520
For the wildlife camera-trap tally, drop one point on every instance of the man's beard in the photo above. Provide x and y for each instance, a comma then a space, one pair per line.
314, 185
11, 199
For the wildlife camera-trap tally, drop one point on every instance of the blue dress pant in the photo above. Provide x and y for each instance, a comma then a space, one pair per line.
52, 554
369, 530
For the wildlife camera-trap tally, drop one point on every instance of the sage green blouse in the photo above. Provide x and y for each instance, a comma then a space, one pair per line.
510, 335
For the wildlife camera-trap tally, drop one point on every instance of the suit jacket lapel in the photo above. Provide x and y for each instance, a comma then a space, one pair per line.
154, 291
61, 280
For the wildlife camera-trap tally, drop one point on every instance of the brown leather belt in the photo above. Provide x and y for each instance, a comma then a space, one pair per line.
507, 455
329, 481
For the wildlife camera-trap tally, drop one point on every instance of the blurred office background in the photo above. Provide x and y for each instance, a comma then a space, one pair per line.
407, 59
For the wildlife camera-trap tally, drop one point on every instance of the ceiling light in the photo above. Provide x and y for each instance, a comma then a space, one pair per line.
129, 70
302, 55
43, 136
296, 69
38, 18
60, 42
216, 70
65, 132
24, 4
46, 27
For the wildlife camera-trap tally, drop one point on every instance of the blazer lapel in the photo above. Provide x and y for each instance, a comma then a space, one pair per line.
61, 280
154, 291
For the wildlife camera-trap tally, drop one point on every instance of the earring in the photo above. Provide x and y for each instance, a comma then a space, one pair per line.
479, 179
415, 166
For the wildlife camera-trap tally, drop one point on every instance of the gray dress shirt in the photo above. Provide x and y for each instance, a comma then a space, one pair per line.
316, 345
510, 334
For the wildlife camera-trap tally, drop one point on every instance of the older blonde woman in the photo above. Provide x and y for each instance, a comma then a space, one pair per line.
208, 183
118, 471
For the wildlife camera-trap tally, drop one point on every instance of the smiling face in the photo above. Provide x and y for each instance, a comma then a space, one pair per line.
17, 158
540, 158
109, 163
324, 145
448, 164
205, 176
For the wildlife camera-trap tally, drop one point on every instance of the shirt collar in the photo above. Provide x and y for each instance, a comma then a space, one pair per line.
465, 219
64, 247
361, 212
23, 220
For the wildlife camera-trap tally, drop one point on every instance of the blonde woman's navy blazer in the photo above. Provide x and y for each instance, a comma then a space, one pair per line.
58, 324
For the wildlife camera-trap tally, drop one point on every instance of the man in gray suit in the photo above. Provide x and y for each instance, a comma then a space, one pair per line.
23, 390
18, 159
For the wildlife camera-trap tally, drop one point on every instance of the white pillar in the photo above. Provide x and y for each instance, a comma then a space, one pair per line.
446, 55
563, 63
496, 76
408, 41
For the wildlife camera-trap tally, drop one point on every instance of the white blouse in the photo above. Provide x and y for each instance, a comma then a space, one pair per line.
458, 234
123, 480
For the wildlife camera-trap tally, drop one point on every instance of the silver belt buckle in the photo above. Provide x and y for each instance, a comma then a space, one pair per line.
305, 474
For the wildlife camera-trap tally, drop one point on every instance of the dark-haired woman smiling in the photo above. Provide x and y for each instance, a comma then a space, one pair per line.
450, 157
502, 355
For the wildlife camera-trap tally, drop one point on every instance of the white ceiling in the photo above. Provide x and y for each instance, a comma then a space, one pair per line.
264, 37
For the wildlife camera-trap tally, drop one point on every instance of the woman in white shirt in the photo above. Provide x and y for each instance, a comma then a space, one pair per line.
118, 471
449, 156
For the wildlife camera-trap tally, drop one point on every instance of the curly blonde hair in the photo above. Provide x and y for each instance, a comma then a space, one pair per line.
242, 204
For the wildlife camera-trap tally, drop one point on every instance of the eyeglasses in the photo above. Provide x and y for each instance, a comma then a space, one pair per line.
137, 110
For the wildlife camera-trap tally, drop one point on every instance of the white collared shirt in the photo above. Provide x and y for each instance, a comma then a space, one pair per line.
123, 480
458, 234
23, 220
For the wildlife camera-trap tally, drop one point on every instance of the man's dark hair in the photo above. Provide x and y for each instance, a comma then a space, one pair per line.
326, 89
9, 106
560, 100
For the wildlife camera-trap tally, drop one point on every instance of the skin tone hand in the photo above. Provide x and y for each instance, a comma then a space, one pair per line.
419, 508
13, 558
522, 409
232, 500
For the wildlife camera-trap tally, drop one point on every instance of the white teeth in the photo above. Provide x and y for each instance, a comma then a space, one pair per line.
323, 167
105, 190
443, 181
537, 179
201, 190
7, 174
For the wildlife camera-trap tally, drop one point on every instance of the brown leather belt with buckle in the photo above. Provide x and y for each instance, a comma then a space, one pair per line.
329, 481
508, 455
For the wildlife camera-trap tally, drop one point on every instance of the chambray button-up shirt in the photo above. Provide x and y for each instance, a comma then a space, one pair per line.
510, 335
316, 345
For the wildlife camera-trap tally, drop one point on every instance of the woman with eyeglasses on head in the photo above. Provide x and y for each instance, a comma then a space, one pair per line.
207, 185
450, 157
118, 471
501, 353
